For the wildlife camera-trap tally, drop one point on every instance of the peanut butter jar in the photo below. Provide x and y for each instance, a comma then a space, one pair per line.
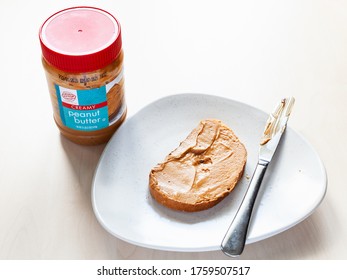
83, 61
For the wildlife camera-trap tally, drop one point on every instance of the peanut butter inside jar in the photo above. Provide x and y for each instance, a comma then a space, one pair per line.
83, 61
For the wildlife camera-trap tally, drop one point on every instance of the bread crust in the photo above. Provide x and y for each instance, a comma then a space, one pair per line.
202, 171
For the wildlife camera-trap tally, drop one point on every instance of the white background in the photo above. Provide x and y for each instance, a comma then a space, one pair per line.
252, 51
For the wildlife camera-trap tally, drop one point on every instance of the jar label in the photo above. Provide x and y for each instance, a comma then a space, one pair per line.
84, 109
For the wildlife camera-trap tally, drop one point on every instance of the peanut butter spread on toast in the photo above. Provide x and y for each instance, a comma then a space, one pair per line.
203, 170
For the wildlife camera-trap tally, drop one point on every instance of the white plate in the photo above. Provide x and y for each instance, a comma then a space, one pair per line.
293, 187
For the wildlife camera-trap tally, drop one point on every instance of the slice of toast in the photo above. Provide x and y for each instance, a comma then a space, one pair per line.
203, 170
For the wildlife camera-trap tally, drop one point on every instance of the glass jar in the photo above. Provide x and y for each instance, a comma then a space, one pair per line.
83, 61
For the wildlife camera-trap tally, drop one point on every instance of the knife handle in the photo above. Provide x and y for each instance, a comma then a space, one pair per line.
235, 238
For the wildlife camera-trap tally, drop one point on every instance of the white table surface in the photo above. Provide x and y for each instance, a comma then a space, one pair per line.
252, 51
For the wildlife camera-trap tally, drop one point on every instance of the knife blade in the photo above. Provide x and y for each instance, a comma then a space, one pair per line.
234, 240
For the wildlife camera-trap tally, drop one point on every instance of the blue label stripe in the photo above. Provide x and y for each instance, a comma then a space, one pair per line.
60, 103
92, 96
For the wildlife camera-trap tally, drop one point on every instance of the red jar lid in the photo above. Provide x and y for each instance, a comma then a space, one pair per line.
80, 39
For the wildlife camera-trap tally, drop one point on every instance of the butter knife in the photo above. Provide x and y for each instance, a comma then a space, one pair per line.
235, 238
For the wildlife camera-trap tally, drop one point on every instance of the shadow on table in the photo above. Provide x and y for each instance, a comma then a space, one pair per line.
83, 160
